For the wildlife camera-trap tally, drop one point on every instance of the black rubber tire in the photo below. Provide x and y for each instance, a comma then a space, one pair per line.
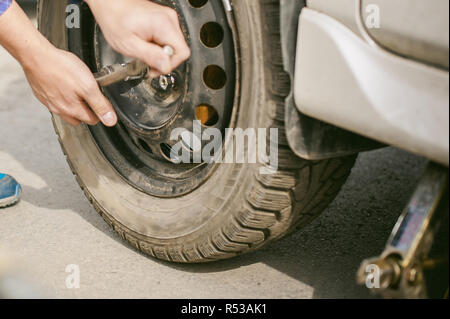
237, 210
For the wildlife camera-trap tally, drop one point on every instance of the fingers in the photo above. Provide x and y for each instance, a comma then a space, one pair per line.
173, 15
76, 113
182, 51
68, 89
70, 120
74, 118
174, 37
153, 74
154, 56
85, 115
99, 104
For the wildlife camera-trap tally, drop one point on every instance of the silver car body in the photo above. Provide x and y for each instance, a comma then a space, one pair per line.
388, 82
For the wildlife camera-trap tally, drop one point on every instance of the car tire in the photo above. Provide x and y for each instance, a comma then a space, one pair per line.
237, 209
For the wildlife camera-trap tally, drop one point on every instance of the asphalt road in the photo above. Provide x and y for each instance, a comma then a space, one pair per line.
55, 226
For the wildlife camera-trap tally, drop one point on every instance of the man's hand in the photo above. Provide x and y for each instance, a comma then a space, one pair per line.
139, 29
67, 87
59, 79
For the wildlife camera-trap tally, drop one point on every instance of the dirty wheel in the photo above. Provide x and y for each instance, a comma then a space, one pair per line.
201, 211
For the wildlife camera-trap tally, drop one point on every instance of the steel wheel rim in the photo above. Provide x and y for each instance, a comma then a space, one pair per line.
128, 152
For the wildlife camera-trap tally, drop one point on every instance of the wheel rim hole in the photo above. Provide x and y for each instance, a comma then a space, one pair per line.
211, 34
166, 151
214, 77
145, 146
197, 3
207, 115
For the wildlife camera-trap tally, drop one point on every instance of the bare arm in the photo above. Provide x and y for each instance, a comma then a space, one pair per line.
59, 80
63, 83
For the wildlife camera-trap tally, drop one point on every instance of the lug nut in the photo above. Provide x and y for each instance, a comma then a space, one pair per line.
166, 81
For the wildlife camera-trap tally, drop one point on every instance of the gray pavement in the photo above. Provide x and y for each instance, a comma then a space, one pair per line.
54, 225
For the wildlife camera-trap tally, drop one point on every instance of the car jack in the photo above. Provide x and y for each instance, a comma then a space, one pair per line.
399, 271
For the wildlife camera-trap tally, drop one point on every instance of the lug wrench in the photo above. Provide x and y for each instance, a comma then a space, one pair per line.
133, 70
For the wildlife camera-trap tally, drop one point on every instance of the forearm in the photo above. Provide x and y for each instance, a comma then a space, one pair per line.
19, 36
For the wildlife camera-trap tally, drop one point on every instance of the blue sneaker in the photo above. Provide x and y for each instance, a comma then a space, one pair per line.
10, 191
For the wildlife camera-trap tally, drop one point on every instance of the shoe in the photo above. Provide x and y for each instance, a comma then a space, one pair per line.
10, 191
